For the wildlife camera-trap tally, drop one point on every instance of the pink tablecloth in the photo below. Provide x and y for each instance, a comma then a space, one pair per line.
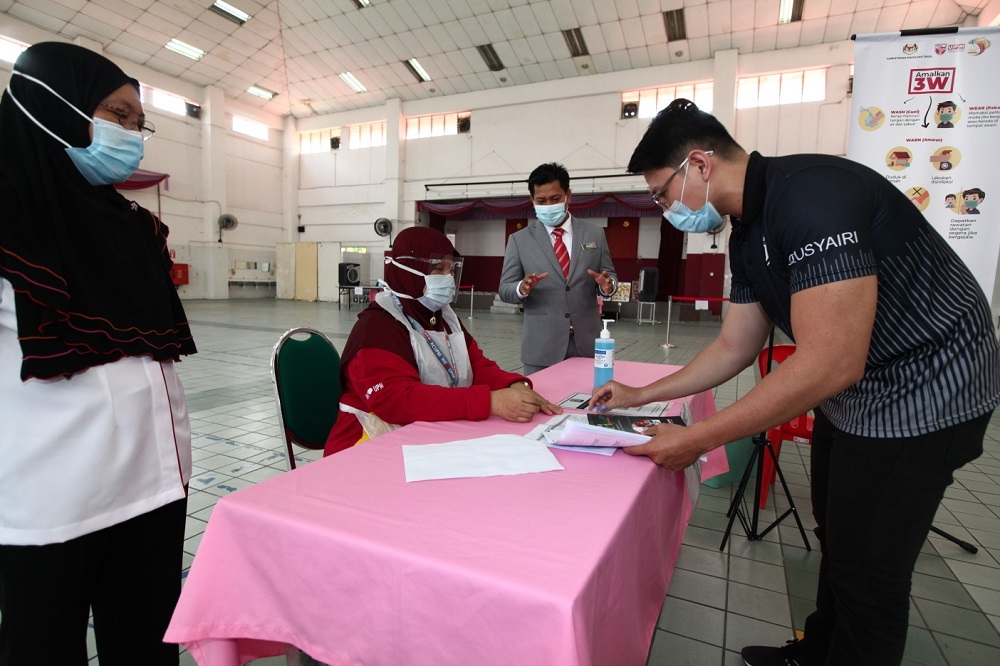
345, 560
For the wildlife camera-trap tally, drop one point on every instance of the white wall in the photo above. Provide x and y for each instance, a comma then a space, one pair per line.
338, 194
576, 122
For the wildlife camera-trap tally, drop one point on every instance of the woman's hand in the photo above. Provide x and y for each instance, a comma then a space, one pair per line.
519, 404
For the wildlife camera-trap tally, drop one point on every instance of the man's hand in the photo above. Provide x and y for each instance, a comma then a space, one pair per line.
614, 395
604, 281
528, 283
519, 404
669, 447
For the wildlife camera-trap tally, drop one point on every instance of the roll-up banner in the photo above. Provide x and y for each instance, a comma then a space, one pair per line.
925, 112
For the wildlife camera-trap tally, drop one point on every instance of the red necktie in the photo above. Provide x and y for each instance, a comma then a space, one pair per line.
562, 254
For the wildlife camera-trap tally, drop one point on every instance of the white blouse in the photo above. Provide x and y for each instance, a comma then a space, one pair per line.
81, 454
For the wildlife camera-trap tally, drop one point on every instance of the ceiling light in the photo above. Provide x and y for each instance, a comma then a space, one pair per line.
790, 11
361, 4
352, 81
193, 52
675, 24
417, 70
227, 11
490, 57
574, 40
263, 93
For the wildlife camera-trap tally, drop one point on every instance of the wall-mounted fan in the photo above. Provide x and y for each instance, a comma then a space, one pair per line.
226, 222
383, 227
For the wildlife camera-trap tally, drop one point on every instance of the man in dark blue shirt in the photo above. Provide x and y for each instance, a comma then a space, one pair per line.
895, 350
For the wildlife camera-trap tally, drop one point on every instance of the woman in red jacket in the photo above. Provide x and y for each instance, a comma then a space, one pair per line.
410, 359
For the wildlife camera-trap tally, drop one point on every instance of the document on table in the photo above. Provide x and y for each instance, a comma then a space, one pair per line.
581, 400
573, 433
496, 455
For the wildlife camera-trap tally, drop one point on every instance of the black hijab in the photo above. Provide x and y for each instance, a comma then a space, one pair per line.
90, 269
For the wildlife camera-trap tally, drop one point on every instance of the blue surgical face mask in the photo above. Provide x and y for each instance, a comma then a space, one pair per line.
946, 117
552, 215
439, 290
113, 154
704, 220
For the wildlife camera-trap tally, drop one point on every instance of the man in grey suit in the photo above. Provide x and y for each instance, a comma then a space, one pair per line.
555, 268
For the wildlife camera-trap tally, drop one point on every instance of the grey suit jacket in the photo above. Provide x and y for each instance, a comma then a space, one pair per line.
555, 301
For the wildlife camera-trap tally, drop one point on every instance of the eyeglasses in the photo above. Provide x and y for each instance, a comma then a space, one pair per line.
437, 266
146, 129
663, 188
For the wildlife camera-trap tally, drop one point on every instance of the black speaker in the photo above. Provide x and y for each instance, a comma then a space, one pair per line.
334, 142
350, 275
630, 110
649, 283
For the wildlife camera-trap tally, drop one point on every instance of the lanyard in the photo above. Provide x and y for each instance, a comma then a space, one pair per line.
448, 366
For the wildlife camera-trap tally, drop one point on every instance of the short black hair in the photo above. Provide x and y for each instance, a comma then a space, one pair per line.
677, 130
547, 173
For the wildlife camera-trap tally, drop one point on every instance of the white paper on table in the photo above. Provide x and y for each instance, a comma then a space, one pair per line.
584, 434
581, 400
496, 455
549, 432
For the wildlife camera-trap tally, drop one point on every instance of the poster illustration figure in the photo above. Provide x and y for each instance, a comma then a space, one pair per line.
946, 114
973, 197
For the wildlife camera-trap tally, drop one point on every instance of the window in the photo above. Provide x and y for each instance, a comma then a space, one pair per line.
355, 250
369, 135
320, 141
442, 124
164, 101
784, 88
10, 49
653, 100
250, 128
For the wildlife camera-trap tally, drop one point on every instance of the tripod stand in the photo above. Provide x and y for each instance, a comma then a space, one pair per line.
737, 508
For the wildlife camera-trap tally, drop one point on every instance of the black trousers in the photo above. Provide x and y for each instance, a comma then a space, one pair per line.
130, 574
874, 500
571, 352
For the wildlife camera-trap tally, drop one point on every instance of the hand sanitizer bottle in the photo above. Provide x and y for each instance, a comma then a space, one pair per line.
604, 356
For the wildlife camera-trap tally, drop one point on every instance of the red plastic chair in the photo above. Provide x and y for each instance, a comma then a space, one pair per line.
799, 429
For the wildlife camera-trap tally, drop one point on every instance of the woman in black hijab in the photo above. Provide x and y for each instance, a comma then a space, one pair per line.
95, 448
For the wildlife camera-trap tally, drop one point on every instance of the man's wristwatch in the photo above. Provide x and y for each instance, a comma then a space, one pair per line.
614, 287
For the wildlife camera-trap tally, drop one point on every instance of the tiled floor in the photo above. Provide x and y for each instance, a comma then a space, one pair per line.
754, 592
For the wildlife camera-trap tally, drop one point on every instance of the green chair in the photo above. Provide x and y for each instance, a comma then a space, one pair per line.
305, 370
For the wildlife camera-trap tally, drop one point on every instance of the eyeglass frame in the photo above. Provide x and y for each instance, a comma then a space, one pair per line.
663, 188
140, 125
456, 264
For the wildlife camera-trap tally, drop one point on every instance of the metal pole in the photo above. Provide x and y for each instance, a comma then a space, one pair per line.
670, 305
472, 298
